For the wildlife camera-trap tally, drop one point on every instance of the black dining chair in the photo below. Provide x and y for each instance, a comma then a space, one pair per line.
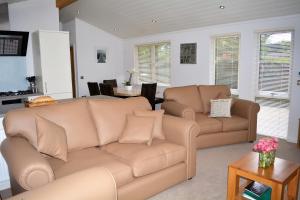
112, 82
148, 91
93, 88
106, 89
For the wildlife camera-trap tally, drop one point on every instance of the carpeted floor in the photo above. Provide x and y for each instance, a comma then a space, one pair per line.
210, 183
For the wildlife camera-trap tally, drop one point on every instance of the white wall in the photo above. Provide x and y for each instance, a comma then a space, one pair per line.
201, 72
33, 15
88, 39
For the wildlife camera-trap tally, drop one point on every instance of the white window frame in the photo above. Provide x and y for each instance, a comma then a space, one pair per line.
213, 73
136, 62
277, 95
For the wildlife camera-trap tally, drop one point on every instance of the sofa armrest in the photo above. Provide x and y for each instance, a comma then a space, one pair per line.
247, 109
25, 163
183, 132
179, 110
92, 184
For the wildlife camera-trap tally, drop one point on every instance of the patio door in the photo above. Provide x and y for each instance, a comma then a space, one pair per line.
275, 51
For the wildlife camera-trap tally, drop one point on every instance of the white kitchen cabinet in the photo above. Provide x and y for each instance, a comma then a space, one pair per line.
52, 63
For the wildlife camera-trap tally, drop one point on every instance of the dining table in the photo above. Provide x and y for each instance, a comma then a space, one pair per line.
123, 92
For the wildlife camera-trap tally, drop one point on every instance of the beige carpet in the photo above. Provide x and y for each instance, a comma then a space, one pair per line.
210, 183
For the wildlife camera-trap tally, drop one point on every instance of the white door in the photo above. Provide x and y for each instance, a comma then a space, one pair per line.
55, 61
274, 69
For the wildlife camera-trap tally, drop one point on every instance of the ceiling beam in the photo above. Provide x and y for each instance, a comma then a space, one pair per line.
63, 3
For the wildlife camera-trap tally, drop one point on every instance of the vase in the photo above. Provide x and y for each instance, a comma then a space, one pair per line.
128, 87
266, 159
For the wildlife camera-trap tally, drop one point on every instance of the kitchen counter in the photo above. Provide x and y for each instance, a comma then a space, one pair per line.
20, 96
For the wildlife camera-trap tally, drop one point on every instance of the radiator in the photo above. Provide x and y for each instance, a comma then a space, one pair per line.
4, 178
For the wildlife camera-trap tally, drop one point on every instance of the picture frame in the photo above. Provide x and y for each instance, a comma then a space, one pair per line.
101, 55
188, 53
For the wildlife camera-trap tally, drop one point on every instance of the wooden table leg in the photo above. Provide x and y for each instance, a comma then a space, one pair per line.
233, 183
277, 191
293, 186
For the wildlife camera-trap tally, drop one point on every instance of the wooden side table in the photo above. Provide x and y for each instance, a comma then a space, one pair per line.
282, 173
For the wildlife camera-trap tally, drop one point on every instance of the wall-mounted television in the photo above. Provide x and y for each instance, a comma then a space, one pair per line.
13, 43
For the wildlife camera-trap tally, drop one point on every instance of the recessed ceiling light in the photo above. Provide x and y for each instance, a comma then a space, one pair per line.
154, 21
222, 7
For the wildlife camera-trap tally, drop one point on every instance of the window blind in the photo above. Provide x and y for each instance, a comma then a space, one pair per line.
227, 61
275, 55
154, 63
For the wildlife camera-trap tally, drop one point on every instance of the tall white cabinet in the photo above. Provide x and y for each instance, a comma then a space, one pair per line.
51, 52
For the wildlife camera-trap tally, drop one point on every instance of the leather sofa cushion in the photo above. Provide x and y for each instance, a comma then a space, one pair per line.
186, 95
145, 159
51, 139
209, 92
73, 116
158, 115
137, 130
234, 123
208, 124
92, 157
110, 115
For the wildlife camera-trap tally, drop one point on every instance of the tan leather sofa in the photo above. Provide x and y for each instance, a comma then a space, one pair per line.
193, 103
80, 185
92, 128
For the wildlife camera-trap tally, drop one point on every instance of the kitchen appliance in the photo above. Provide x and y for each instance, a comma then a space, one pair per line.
13, 99
13, 43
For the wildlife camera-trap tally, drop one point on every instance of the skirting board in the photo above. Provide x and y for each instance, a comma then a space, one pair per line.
4, 185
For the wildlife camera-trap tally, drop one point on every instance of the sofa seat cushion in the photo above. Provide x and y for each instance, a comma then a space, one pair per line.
234, 123
87, 158
208, 124
148, 159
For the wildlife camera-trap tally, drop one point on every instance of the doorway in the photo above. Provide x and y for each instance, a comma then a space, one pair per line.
275, 54
73, 73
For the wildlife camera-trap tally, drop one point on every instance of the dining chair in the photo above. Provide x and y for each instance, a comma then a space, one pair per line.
112, 82
148, 91
106, 89
93, 88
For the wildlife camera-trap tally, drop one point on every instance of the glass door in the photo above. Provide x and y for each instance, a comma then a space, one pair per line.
274, 69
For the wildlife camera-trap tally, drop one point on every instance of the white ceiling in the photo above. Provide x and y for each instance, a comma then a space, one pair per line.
134, 18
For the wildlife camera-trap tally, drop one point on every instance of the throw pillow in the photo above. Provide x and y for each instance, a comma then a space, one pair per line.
158, 116
137, 130
51, 138
220, 108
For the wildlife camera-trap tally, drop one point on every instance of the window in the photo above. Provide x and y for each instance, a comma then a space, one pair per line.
275, 56
153, 63
226, 60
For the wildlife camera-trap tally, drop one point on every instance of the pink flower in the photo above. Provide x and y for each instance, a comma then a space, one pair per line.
266, 145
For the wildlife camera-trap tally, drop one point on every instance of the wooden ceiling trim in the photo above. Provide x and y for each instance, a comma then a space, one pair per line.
63, 3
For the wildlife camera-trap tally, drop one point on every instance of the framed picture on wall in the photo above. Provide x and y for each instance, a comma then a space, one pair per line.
188, 53
101, 54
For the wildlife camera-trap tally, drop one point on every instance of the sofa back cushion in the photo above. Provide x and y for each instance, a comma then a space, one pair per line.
186, 95
73, 116
209, 92
109, 115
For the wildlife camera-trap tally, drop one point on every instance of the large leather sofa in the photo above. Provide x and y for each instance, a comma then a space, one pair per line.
193, 102
140, 171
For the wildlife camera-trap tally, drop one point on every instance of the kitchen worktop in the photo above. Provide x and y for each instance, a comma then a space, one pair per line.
19, 96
